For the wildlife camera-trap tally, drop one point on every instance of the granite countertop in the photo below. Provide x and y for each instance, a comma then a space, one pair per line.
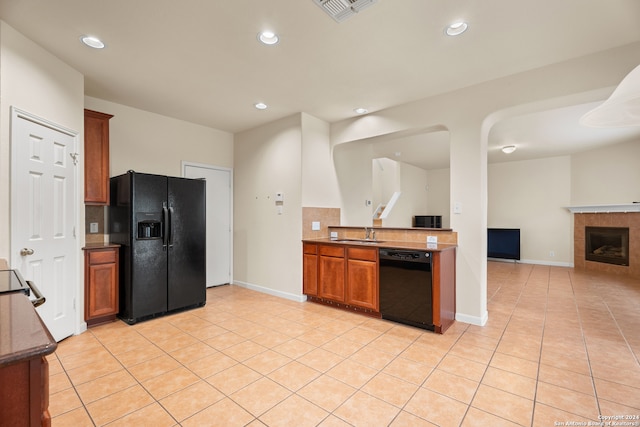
100, 245
23, 336
437, 247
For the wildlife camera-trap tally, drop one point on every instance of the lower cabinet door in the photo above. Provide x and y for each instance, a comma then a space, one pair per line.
310, 274
102, 290
101, 302
331, 277
362, 288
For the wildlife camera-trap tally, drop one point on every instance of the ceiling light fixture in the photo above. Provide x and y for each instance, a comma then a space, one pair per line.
93, 42
268, 37
456, 28
261, 106
361, 110
508, 149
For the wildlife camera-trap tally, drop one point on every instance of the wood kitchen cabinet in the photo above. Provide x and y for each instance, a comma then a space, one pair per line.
343, 276
96, 157
362, 278
310, 269
331, 272
24, 370
101, 284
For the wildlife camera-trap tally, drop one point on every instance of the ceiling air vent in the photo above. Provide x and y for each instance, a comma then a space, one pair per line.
341, 10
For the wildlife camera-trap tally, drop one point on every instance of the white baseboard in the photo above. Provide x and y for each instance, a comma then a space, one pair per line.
269, 291
473, 320
551, 263
80, 328
533, 261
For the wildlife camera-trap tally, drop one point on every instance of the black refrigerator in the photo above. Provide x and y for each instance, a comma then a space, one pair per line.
159, 221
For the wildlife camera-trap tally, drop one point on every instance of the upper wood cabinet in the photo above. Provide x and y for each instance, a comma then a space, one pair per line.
96, 157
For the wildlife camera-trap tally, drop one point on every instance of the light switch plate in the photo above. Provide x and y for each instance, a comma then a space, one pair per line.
93, 227
315, 225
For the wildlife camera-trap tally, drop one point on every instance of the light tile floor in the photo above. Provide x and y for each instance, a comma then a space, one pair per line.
560, 346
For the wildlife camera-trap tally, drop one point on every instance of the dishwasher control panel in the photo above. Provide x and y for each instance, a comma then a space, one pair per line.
405, 255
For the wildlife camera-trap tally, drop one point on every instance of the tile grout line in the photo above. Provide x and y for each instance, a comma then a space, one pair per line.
544, 325
586, 348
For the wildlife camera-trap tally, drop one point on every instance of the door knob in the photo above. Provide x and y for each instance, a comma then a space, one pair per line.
26, 251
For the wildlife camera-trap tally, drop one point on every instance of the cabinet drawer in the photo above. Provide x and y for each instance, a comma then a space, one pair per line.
337, 251
309, 248
364, 254
102, 256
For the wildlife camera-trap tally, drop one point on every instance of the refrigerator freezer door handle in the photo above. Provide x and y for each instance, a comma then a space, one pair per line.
165, 224
170, 239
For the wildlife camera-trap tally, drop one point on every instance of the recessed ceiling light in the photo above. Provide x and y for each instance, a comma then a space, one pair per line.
456, 28
508, 149
93, 42
361, 111
268, 37
261, 106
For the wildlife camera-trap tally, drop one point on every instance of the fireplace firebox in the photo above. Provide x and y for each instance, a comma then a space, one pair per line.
607, 244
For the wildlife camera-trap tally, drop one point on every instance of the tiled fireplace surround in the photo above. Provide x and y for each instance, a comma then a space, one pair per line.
607, 219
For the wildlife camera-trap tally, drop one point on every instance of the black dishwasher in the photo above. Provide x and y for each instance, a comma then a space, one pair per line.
406, 292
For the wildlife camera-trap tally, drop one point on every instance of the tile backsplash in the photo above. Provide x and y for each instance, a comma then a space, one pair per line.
325, 216
95, 214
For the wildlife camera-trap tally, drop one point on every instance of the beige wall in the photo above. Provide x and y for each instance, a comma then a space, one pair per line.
355, 177
34, 81
267, 246
319, 180
293, 156
532, 196
608, 175
151, 143
412, 200
438, 200
385, 180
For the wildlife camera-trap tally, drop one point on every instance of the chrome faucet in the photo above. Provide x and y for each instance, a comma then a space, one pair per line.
369, 234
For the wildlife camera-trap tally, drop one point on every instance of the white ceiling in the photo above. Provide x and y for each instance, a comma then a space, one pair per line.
200, 61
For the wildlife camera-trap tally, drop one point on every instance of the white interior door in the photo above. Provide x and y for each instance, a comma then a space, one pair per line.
43, 215
219, 214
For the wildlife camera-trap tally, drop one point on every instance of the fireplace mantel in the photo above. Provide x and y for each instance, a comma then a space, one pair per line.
622, 208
